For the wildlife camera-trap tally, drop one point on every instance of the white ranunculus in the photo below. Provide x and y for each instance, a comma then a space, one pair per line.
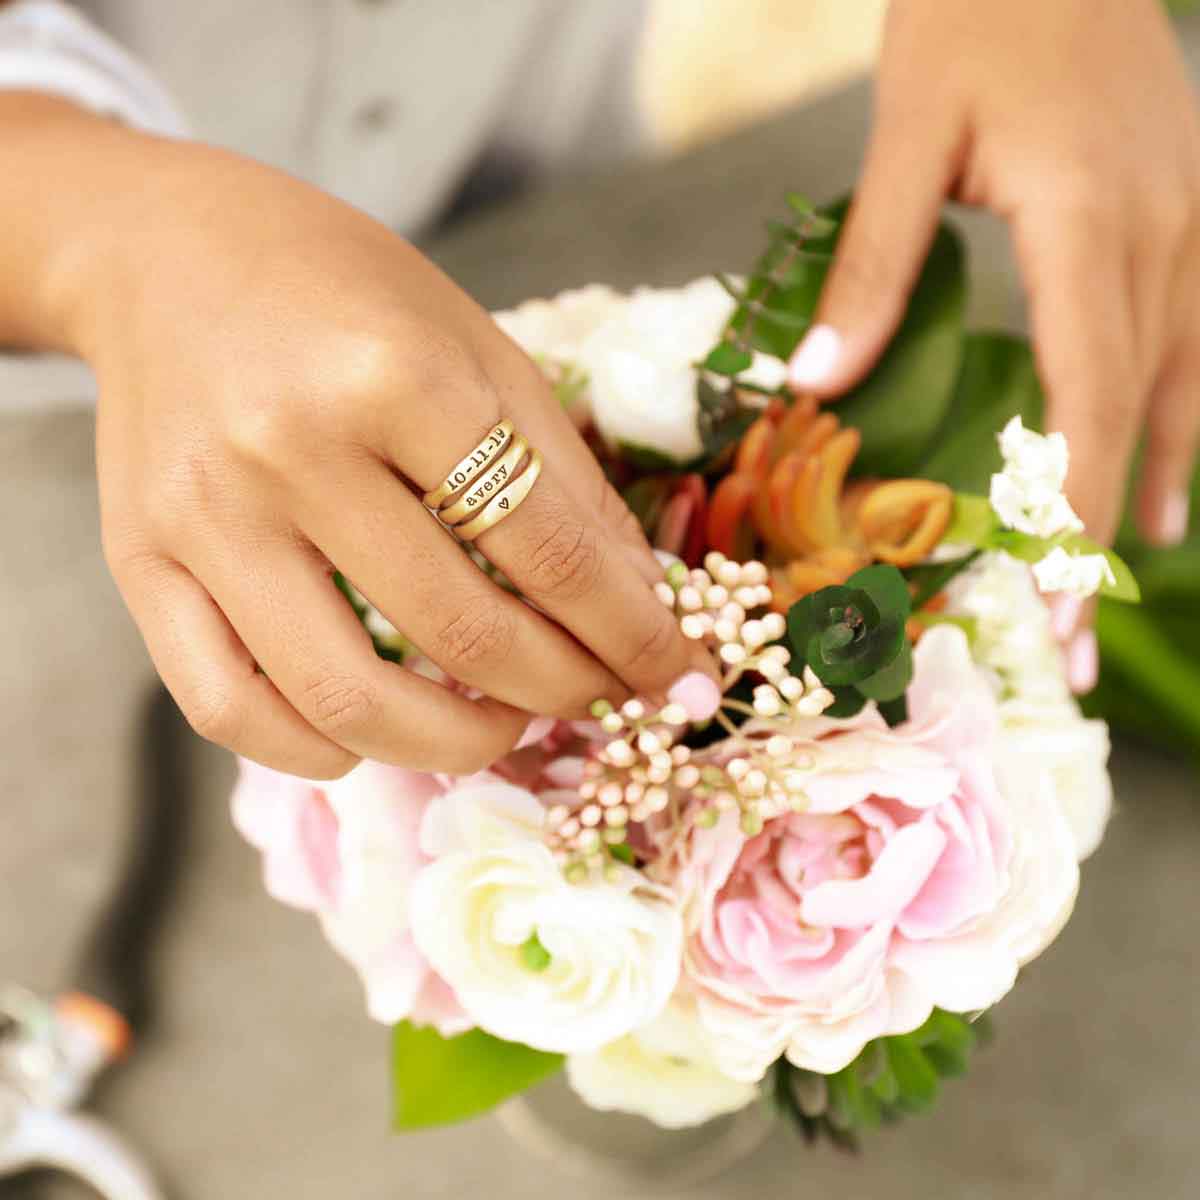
1074, 751
642, 366
1080, 574
614, 947
1011, 636
663, 1072
1027, 494
1041, 724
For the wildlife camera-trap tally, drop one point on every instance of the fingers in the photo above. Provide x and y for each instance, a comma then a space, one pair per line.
525, 395
1171, 445
1077, 275
306, 638
213, 677
912, 161
556, 550
477, 632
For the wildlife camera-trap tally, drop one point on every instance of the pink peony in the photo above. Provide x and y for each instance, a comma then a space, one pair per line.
922, 873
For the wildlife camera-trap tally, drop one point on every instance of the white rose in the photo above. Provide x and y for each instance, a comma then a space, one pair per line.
663, 1072
495, 896
1080, 574
1075, 753
556, 329
1027, 494
642, 367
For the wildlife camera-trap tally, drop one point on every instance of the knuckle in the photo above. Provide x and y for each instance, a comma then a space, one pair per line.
333, 765
439, 369
217, 717
1170, 214
337, 704
1083, 197
654, 651
266, 431
567, 561
481, 632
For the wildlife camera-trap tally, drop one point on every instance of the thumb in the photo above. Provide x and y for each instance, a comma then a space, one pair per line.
879, 255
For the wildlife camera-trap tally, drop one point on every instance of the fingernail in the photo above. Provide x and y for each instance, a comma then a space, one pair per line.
1064, 615
699, 695
815, 357
1173, 519
537, 729
1083, 661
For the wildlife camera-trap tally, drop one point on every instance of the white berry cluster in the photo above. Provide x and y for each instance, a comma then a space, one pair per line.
643, 771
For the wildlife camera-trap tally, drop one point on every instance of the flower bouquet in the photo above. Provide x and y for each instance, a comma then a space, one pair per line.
812, 890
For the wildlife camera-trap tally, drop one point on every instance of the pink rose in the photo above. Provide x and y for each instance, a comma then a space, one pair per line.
348, 851
923, 872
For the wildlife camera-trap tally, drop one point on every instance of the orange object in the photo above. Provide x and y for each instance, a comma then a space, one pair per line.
98, 1019
902, 520
727, 526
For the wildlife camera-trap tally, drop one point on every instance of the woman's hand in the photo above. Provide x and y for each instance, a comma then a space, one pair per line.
280, 379
1074, 120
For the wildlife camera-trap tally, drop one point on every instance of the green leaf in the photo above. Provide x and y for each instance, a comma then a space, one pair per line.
439, 1080
931, 578
973, 521
727, 359
891, 683
646, 458
996, 382
887, 588
915, 1075
901, 406
623, 852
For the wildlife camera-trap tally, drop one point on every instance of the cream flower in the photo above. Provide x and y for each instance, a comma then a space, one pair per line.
532, 958
1027, 494
642, 366
664, 1072
1080, 574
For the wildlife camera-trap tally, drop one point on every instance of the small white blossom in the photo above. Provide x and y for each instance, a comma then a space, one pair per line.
1080, 574
1027, 494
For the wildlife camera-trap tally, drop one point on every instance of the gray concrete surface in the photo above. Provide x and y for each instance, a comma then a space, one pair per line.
265, 1080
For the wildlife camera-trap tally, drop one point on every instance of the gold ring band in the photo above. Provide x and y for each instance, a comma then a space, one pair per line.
470, 467
505, 503
486, 486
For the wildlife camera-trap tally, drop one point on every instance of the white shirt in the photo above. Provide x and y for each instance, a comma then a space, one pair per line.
388, 104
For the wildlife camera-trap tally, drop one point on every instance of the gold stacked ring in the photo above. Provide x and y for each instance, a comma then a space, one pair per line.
503, 503
488, 485
475, 462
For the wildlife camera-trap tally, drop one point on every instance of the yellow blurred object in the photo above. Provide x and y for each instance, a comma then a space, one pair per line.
709, 66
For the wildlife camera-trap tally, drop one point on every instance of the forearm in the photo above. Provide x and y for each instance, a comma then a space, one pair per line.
68, 179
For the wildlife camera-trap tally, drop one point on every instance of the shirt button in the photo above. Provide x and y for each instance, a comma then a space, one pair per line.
375, 115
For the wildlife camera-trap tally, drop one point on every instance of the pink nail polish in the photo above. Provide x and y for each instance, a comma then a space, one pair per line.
535, 731
699, 695
1064, 615
1083, 661
815, 358
1173, 520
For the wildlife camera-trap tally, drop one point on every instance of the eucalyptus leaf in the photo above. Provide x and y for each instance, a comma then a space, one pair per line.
891, 683
437, 1080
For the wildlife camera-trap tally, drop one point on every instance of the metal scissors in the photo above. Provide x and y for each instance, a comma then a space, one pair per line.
52, 1051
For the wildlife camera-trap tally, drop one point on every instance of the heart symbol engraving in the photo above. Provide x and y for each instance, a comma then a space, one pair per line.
504, 502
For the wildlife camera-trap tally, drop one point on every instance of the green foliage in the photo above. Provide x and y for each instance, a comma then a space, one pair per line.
997, 381
852, 636
437, 1080
892, 1078
902, 404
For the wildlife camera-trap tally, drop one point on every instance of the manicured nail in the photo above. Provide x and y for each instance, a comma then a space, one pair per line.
1064, 614
699, 695
815, 357
1173, 519
537, 729
1083, 661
